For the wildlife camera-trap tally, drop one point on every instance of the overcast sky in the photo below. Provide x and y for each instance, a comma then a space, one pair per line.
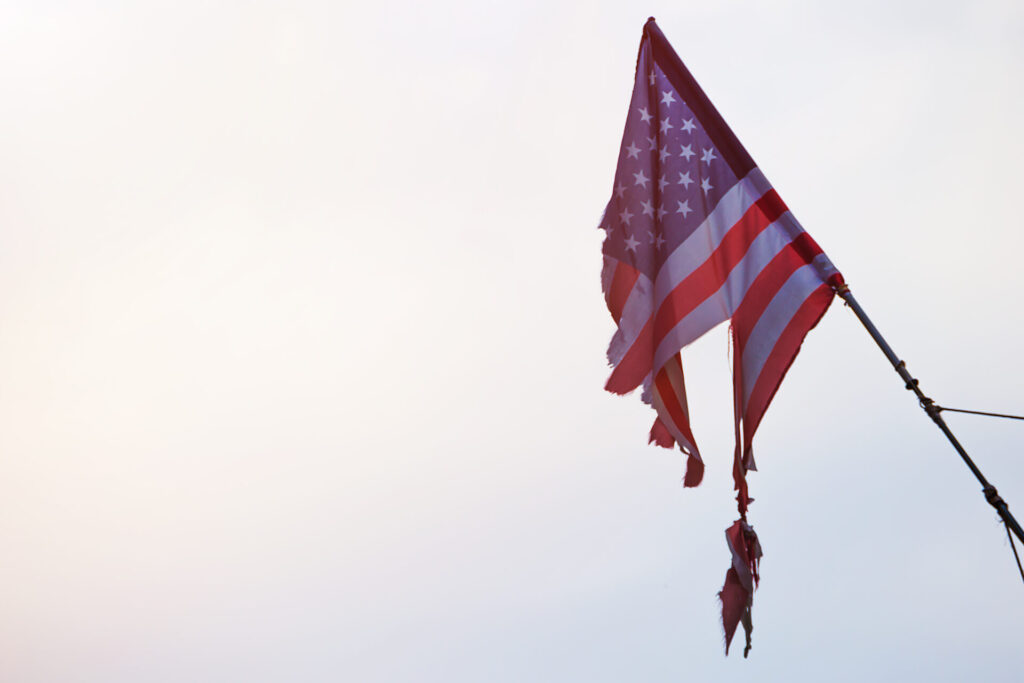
302, 347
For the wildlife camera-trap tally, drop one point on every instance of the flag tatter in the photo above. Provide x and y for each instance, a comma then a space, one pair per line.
695, 236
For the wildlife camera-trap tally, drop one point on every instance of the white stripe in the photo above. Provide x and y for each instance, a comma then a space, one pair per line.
791, 226
674, 372
723, 303
824, 267
646, 393
635, 313
670, 425
773, 321
663, 415
695, 249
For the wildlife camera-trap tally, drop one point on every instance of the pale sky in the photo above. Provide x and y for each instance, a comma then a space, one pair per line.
302, 347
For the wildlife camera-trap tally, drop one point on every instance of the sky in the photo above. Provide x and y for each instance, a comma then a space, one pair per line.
302, 346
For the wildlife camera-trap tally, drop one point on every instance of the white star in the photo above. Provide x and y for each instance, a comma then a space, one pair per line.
625, 216
687, 152
632, 244
684, 179
661, 211
706, 185
620, 190
688, 125
640, 178
656, 240
709, 156
663, 153
666, 126
633, 151
662, 183
648, 207
651, 77
653, 142
644, 115
667, 97
684, 208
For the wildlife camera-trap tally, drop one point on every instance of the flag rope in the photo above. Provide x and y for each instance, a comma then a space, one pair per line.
978, 412
934, 412
1013, 547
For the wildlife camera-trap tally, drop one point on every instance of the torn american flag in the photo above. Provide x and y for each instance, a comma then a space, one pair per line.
695, 236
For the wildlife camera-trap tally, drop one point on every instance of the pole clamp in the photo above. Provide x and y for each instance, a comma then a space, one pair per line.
993, 497
928, 405
901, 368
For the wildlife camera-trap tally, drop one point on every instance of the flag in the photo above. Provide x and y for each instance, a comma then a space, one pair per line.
695, 236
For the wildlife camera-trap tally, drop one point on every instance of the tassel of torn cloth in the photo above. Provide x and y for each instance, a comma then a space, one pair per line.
737, 594
661, 436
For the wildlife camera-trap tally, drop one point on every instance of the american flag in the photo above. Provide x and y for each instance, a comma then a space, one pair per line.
695, 236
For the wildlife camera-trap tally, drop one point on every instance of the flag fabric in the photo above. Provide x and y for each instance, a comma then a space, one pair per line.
696, 236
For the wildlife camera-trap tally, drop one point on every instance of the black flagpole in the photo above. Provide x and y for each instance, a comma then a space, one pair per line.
991, 495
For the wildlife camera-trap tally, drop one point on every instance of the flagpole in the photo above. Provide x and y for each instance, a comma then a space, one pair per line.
933, 411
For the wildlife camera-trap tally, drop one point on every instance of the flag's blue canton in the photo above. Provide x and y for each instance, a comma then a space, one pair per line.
670, 176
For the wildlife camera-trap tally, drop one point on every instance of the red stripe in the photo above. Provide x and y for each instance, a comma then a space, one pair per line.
781, 357
807, 247
671, 401
694, 472
635, 365
622, 284
660, 435
767, 284
710, 275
